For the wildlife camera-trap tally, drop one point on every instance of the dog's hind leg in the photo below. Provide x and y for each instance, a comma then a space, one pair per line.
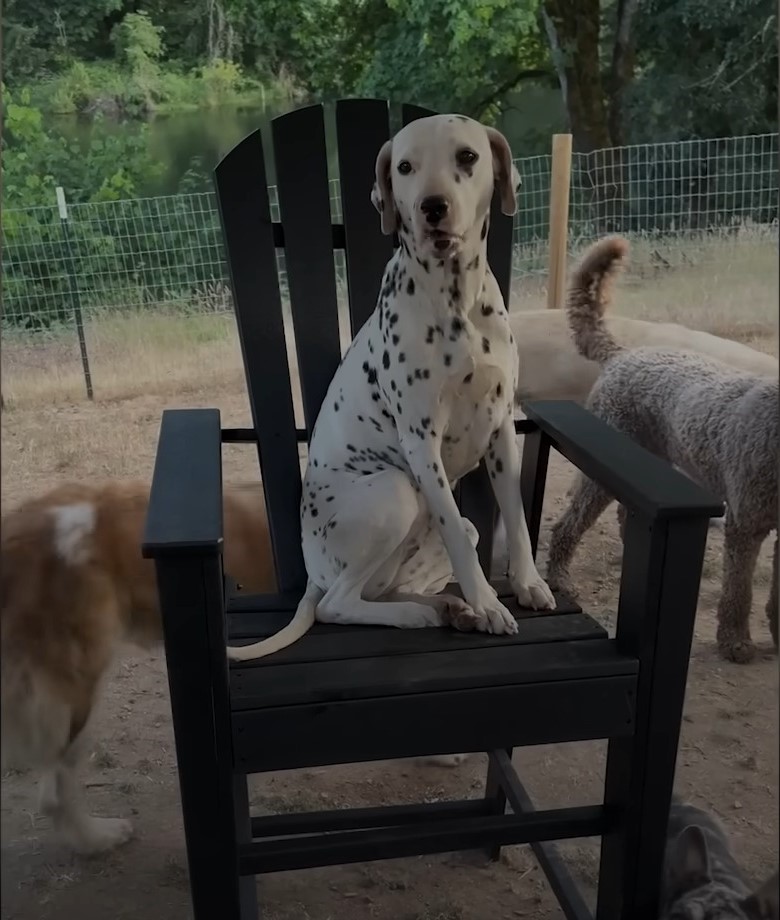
771, 604
740, 555
61, 798
377, 525
587, 503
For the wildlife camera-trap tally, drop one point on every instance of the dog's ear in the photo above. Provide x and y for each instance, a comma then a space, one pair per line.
382, 192
689, 860
506, 176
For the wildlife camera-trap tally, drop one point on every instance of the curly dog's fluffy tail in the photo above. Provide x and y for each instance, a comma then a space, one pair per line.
588, 297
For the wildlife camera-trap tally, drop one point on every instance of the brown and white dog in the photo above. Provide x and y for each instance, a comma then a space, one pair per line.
73, 588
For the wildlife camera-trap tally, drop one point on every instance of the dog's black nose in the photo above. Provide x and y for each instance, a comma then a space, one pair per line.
434, 207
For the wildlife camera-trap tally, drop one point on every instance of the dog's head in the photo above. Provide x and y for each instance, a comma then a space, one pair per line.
435, 181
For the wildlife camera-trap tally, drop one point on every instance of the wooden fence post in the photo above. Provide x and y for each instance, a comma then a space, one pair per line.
560, 182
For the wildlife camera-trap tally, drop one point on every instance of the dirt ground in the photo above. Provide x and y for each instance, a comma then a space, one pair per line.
728, 757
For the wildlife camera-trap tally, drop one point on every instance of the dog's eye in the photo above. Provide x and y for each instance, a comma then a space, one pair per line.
466, 157
404, 167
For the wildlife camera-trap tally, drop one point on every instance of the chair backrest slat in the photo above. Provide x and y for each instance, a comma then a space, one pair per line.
242, 191
410, 113
304, 205
362, 126
499, 248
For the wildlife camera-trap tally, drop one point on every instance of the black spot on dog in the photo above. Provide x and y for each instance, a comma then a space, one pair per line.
424, 263
499, 466
486, 309
474, 263
386, 360
468, 378
426, 373
425, 422
447, 360
441, 482
485, 344
336, 406
456, 327
441, 519
410, 287
401, 357
396, 339
456, 266
499, 389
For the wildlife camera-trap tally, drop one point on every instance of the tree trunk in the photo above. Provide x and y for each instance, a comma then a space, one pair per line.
572, 28
622, 71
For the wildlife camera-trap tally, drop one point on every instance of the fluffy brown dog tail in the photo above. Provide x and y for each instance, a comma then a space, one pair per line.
588, 296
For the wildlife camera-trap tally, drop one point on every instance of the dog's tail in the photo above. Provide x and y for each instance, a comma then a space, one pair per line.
298, 626
588, 297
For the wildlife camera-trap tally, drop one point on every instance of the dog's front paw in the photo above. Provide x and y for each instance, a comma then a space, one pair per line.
739, 650
533, 592
496, 619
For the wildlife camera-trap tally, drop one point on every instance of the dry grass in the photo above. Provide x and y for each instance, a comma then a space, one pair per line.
142, 362
722, 284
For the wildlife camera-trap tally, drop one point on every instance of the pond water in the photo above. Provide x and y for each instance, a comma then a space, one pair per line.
199, 139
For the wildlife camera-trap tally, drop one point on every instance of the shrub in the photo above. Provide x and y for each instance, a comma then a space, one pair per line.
221, 80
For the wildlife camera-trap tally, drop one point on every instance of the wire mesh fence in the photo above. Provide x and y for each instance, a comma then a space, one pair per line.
153, 258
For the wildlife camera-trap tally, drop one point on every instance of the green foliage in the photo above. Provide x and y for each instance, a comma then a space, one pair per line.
459, 54
137, 41
706, 68
220, 81
38, 35
35, 161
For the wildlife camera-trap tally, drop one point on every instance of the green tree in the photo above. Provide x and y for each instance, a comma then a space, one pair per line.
36, 160
447, 53
705, 68
39, 34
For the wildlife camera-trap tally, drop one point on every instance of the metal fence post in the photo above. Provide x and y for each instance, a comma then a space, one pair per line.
74, 290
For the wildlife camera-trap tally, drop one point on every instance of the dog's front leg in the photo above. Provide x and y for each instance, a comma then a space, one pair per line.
503, 464
424, 459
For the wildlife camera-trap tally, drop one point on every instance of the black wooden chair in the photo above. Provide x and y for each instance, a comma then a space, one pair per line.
350, 694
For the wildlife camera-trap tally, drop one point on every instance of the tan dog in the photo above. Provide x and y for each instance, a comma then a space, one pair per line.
74, 587
552, 368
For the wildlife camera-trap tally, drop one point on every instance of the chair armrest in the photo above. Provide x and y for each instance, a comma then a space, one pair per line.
635, 477
185, 505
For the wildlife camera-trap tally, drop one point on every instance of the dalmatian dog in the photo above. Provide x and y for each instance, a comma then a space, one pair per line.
424, 392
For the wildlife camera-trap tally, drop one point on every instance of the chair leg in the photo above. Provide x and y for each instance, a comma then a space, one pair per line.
193, 616
495, 799
659, 589
247, 883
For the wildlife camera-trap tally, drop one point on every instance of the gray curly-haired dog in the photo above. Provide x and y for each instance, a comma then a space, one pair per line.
717, 424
